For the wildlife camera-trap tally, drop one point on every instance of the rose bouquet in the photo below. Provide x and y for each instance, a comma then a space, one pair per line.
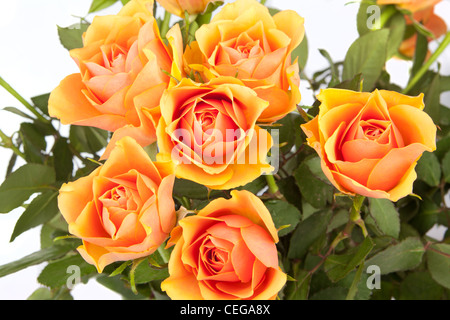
191, 169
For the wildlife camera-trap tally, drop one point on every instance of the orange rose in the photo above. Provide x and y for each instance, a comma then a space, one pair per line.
423, 12
243, 40
120, 73
124, 209
410, 5
178, 7
209, 131
226, 251
430, 21
369, 143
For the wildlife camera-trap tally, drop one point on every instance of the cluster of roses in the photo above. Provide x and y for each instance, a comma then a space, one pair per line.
145, 87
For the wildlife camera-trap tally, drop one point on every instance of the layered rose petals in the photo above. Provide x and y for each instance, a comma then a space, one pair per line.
369, 143
124, 209
226, 251
122, 66
209, 131
243, 40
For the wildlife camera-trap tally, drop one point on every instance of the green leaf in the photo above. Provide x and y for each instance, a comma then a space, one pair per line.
338, 267
405, 255
33, 142
432, 99
41, 294
307, 232
420, 286
361, 18
397, 26
24, 182
56, 274
119, 286
145, 273
438, 261
313, 184
283, 214
88, 139
446, 167
420, 54
18, 112
98, 5
50, 253
367, 55
192, 190
41, 102
42, 209
386, 216
302, 53
63, 159
429, 169
71, 37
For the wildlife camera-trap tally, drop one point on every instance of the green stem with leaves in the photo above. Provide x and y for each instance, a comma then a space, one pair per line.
414, 80
165, 24
16, 95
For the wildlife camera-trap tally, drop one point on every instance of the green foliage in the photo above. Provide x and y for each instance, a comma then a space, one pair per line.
326, 244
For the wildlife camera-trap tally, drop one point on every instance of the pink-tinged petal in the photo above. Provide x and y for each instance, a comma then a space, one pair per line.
242, 259
261, 244
414, 125
390, 170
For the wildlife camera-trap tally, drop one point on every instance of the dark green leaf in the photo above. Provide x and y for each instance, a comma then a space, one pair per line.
429, 169
446, 167
56, 273
367, 55
420, 54
88, 139
420, 286
24, 182
41, 102
311, 182
338, 267
307, 232
33, 142
283, 214
432, 99
405, 255
63, 161
39, 211
438, 261
386, 216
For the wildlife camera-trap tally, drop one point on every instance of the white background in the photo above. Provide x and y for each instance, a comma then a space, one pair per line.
33, 62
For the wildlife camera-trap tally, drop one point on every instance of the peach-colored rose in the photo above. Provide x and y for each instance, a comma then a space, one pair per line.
121, 65
369, 143
243, 40
192, 7
124, 209
226, 251
210, 131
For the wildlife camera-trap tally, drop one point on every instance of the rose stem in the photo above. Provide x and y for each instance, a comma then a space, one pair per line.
16, 95
427, 64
